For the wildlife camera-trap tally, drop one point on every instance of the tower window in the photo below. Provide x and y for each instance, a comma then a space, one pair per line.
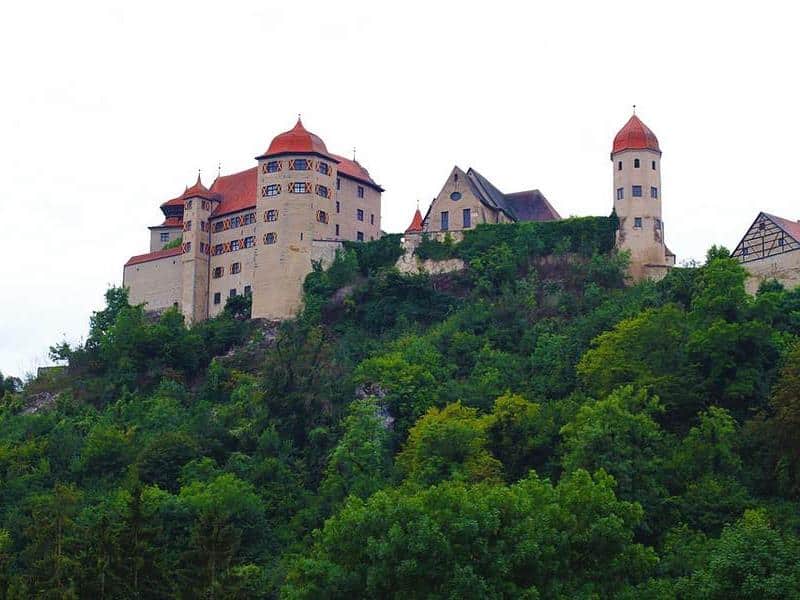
372, 219
271, 190
164, 237
637, 222
188, 205
322, 191
658, 224
361, 191
466, 217
219, 226
234, 245
619, 165
236, 268
322, 216
218, 249
270, 238
338, 183
635, 163
636, 191
360, 236
250, 241
653, 164
620, 193
653, 192
236, 221
273, 166
218, 272
187, 226
232, 292
217, 297
445, 220
271, 215
187, 247
323, 168
360, 214
337, 230
248, 290
299, 187
298, 164
338, 207
249, 218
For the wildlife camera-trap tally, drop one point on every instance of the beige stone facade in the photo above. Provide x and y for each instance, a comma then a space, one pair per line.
258, 231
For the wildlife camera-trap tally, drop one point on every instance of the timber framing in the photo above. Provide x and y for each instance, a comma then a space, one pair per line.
767, 236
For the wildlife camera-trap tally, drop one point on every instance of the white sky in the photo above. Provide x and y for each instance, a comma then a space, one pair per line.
109, 108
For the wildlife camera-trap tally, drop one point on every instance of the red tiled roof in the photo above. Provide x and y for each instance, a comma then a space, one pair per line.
158, 254
238, 191
169, 222
198, 190
298, 139
635, 135
789, 226
352, 168
416, 223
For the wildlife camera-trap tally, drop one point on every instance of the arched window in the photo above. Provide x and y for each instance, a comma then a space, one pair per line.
635, 163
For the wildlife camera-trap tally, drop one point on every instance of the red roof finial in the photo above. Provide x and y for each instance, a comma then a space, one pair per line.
416, 222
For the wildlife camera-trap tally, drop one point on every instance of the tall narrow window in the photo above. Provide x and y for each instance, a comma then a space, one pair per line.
637, 222
338, 207
445, 220
232, 292
619, 165
248, 290
338, 183
187, 226
636, 191
361, 191
620, 193
653, 165
337, 230
360, 236
467, 217
372, 219
635, 163
360, 214
653, 192
236, 268
217, 297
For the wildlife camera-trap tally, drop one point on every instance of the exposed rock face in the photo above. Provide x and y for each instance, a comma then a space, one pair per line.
374, 390
39, 402
410, 264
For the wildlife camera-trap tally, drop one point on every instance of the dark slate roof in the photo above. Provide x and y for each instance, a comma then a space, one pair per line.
530, 205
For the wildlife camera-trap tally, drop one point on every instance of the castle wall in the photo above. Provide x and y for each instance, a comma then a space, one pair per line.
156, 283
350, 203
195, 259
479, 212
783, 267
229, 280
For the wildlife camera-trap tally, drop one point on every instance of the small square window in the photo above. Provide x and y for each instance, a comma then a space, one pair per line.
248, 290
620, 193
164, 237
217, 297
234, 245
637, 222
636, 191
270, 238
250, 241
273, 166
360, 214
653, 192
360, 236
236, 268
745, 251
232, 293
218, 272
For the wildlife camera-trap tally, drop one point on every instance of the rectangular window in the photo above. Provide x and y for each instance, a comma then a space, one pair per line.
249, 219
653, 164
299, 187
164, 236
187, 247
371, 219
637, 222
322, 216
203, 226
234, 245
217, 297
219, 226
636, 191
218, 272
337, 230
270, 238
298, 164
338, 207
271, 190
273, 166
745, 251
249, 241
619, 166
323, 168
445, 220
236, 268
219, 249
360, 214
361, 191
188, 205
658, 223
620, 193
232, 292
271, 215
187, 226
236, 221
467, 217
248, 290
360, 236
780, 242
653, 192
338, 183
322, 191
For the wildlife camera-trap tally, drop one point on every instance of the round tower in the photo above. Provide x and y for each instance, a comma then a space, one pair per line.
636, 163
294, 207
199, 203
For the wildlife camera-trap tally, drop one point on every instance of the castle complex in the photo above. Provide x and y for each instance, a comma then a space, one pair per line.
258, 232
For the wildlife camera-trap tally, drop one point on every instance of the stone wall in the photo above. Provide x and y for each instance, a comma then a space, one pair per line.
783, 267
156, 283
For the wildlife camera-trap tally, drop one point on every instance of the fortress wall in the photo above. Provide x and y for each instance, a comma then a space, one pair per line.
783, 267
157, 283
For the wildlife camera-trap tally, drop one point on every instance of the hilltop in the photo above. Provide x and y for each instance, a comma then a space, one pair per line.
528, 426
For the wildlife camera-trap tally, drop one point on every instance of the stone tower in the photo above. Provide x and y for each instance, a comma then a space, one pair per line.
199, 203
636, 162
294, 207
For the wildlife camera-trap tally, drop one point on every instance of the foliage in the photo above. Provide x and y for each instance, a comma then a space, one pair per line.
176, 243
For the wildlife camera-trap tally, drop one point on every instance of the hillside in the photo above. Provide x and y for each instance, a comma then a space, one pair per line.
528, 427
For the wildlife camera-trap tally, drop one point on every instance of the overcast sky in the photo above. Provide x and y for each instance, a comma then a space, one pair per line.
109, 108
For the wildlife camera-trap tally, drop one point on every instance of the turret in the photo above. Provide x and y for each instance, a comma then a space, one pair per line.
198, 204
636, 163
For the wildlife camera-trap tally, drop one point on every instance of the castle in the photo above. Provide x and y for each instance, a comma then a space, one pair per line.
258, 232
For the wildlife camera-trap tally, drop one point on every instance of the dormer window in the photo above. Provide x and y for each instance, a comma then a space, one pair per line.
635, 163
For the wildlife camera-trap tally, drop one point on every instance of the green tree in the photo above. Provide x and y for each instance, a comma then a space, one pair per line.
518, 434
784, 423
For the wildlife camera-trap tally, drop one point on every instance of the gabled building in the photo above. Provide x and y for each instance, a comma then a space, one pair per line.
257, 231
468, 199
769, 250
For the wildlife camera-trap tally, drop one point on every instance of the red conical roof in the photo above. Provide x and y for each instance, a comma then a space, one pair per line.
296, 140
635, 135
416, 223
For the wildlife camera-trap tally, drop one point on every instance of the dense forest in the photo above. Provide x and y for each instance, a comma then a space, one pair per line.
527, 427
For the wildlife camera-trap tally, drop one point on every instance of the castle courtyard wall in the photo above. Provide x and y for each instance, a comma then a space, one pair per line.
156, 283
783, 267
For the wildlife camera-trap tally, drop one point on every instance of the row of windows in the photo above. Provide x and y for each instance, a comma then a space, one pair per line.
234, 245
218, 295
636, 192
297, 164
466, 219
218, 272
205, 205
234, 222
636, 164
